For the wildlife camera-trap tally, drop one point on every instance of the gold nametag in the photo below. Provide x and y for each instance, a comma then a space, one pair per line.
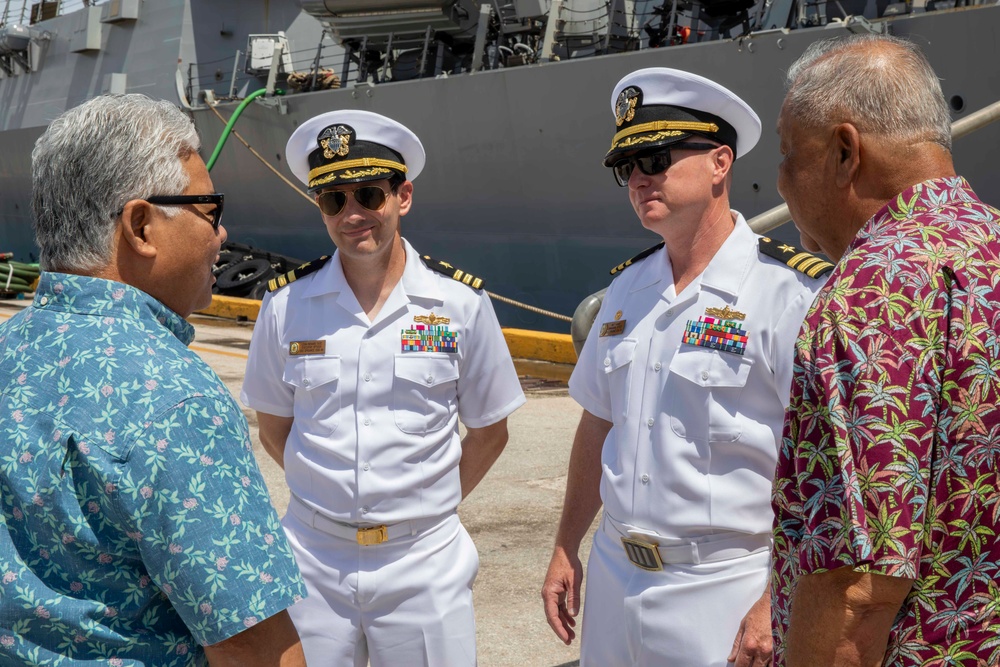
301, 347
613, 328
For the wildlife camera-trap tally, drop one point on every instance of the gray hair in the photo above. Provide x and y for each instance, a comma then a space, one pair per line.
91, 161
880, 84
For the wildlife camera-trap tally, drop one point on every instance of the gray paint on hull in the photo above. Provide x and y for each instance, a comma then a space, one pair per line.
514, 190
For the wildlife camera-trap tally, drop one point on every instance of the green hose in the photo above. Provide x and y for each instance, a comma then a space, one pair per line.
232, 122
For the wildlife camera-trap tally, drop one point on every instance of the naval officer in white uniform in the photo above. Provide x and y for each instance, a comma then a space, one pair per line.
361, 366
683, 379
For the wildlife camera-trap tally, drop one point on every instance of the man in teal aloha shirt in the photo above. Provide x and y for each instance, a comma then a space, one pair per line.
886, 494
135, 527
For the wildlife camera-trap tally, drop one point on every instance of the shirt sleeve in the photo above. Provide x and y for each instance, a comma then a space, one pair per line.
861, 432
488, 388
203, 523
263, 387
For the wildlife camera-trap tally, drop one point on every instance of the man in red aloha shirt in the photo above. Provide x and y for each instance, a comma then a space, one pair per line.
886, 502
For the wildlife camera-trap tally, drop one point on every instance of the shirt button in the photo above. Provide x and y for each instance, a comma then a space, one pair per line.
430, 378
364, 510
368, 422
649, 422
44, 300
657, 366
645, 479
670, 312
368, 377
607, 362
366, 466
704, 375
305, 383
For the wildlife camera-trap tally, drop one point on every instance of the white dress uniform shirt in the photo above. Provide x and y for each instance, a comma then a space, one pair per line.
695, 430
375, 433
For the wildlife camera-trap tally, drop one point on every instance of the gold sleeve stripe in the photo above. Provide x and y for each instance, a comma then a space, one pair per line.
351, 164
684, 126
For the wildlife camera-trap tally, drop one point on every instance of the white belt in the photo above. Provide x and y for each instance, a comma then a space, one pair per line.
367, 535
707, 549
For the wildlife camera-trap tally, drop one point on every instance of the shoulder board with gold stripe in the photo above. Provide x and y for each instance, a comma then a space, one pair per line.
798, 259
642, 255
447, 269
295, 274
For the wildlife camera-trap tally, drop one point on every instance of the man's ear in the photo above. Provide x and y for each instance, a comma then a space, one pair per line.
136, 219
405, 193
723, 164
847, 146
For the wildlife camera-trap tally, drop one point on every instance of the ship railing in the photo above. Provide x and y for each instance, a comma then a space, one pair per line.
779, 215
32, 11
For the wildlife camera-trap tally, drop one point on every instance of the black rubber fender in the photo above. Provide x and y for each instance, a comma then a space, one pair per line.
239, 279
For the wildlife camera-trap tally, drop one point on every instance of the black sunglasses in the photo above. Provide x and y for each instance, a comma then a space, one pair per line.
653, 163
332, 202
182, 200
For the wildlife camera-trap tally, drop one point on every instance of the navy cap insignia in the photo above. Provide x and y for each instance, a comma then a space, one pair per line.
625, 106
335, 141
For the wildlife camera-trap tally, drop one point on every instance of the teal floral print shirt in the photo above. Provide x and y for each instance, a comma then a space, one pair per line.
890, 460
134, 522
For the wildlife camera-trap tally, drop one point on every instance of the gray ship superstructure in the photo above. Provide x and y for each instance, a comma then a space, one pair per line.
511, 100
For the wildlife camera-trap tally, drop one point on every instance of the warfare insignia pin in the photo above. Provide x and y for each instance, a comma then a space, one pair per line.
625, 105
335, 141
432, 319
725, 313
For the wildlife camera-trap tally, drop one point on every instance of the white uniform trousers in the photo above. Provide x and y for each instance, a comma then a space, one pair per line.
686, 615
407, 601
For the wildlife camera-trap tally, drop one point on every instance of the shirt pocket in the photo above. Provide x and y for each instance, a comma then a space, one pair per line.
704, 389
424, 391
617, 362
317, 392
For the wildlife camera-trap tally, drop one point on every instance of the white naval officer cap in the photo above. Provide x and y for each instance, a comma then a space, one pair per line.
352, 146
659, 106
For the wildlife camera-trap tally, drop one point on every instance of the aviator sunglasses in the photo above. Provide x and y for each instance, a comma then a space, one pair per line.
652, 164
371, 197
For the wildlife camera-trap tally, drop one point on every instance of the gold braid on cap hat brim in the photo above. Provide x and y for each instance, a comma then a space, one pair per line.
660, 125
351, 164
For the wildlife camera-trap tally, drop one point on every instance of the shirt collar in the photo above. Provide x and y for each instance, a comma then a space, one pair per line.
930, 195
417, 280
724, 273
86, 295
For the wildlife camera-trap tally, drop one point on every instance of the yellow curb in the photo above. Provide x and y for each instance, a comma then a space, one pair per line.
523, 344
233, 308
540, 345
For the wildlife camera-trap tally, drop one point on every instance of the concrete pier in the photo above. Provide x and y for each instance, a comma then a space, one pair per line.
512, 515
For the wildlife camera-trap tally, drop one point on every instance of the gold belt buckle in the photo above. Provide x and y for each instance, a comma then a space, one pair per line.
371, 536
643, 554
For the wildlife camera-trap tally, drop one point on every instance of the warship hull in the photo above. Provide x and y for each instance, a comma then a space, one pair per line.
514, 190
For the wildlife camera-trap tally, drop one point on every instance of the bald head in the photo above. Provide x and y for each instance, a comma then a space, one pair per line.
882, 85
